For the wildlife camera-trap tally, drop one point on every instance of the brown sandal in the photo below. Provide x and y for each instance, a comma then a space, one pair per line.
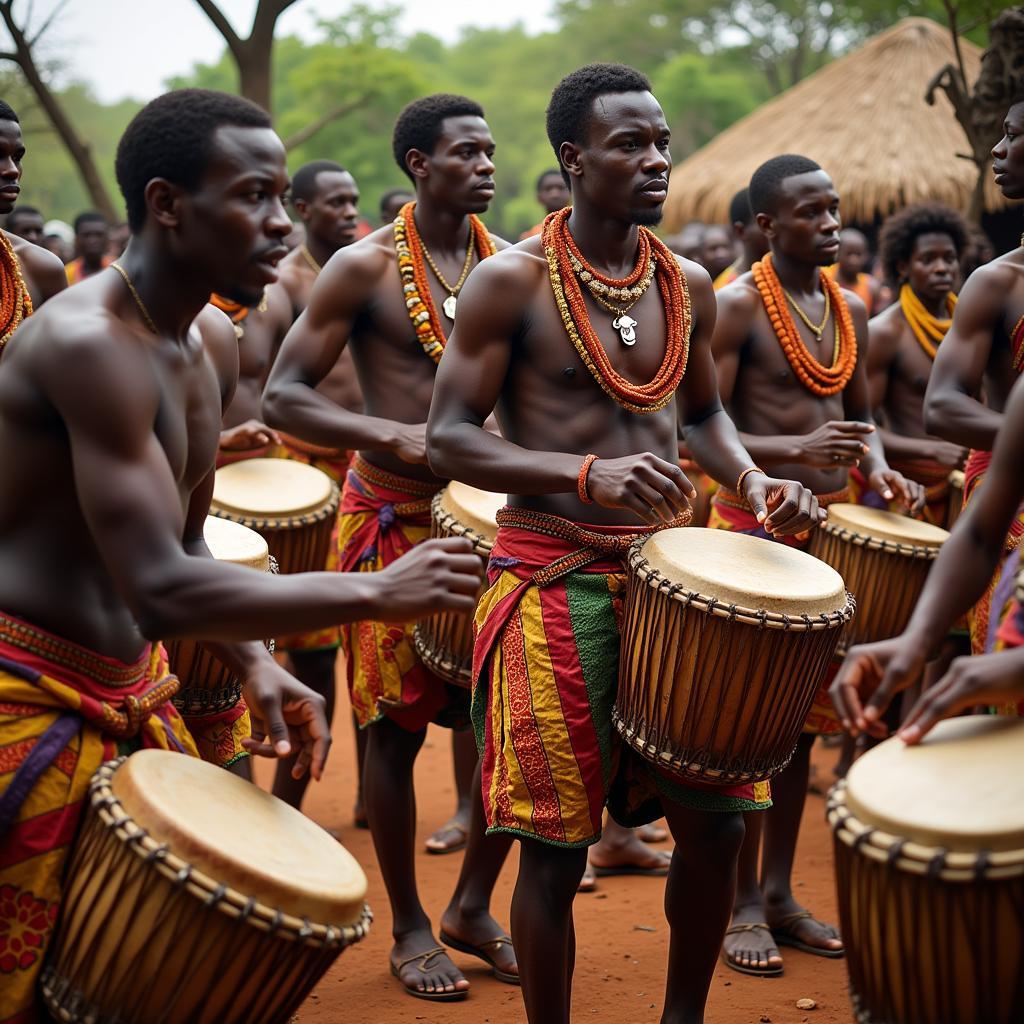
481, 952
783, 935
423, 960
449, 826
766, 972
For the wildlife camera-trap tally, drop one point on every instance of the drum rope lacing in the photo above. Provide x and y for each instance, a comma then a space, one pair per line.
881, 544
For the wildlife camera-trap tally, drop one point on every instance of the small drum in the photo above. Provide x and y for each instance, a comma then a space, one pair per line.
929, 854
956, 497
207, 685
444, 642
291, 505
726, 640
193, 897
884, 559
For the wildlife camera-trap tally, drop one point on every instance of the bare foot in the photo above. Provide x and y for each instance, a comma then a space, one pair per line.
452, 835
748, 946
481, 936
620, 851
588, 883
425, 969
794, 926
652, 833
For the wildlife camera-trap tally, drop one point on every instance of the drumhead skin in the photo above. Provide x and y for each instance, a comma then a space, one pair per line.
959, 789
473, 508
241, 836
735, 568
233, 542
956, 479
882, 525
270, 487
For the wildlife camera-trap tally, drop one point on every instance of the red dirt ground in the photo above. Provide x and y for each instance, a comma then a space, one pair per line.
622, 934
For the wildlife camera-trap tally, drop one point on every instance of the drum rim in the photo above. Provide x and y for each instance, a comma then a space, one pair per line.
864, 540
113, 817
442, 663
284, 522
917, 858
446, 521
802, 623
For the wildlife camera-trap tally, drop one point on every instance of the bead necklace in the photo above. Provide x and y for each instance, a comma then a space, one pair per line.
929, 330
675, 296
237, 312
136, 296
453, 290
309, 258
15, 301
602, 289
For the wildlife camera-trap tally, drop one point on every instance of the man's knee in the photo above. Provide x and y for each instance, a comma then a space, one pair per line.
714, 837
551, 873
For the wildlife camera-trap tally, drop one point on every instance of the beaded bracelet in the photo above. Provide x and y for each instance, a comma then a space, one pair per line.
581, 480
744, 475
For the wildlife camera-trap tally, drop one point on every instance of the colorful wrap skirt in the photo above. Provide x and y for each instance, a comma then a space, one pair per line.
64, 710
545, 664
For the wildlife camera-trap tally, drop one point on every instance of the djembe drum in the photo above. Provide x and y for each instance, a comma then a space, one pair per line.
956, 497
208, 686
929, 854
726, 640
193, 897
444, 641
884, 559
291, 505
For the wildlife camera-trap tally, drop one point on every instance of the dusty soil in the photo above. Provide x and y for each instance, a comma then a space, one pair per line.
622, 935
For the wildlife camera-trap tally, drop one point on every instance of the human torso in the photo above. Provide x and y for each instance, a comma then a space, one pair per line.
909, 374
1006, 359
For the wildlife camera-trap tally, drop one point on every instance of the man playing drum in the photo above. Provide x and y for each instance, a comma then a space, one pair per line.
110, 410
798, 390
537, 345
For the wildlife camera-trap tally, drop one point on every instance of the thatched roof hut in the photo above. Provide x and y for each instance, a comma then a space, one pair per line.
864, 118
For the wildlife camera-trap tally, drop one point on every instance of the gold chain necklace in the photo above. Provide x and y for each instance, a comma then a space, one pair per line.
308, 257
451, 302
601, 292
135, 295
818, 330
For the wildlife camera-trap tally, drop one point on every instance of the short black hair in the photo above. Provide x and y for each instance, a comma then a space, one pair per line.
7, 113
22, 211
766, 182
304, 181
568, 114
900, 233
546, 174
739, 208
171, 138
419, 125
89, 217
391, 195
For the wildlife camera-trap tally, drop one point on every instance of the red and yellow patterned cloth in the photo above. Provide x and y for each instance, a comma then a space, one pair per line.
933, 477
545, 663
730, 512
64, 710
727, 276
382, 517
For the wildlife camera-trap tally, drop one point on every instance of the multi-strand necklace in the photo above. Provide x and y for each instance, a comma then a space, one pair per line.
929, 330
563, 255
15, 301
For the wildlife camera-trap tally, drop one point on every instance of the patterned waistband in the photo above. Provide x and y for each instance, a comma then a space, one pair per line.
725, 496
382, 478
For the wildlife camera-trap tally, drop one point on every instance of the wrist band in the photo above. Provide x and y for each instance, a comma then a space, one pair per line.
743, 476
581, 480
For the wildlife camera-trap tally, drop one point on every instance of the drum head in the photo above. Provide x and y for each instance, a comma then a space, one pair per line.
270, 487
241, 836
473, 508
960, 788
881, 525
956, 479
233, 542
752, 572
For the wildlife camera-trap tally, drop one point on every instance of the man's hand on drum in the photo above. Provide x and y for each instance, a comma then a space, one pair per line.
782, 507
410, 444
870, 676
655, 490
286, 715
250, 434
435, 576
891, 484
836, 443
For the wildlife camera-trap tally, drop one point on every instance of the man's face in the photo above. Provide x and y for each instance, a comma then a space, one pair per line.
234, 225
332, 216
391, 208
27, 225
717, 251
934, 266
805, 227
120, 235
624, 163
1008, 154
553, 194
12, 152
461, 168
853, 253
92, 240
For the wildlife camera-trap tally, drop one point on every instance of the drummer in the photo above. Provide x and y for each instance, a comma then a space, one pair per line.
370, 297
110, 407
789, 350
547, 646
983, 355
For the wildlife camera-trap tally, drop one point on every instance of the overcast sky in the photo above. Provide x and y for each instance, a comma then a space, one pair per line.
130, 47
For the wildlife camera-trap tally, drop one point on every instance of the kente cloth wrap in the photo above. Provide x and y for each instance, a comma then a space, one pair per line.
730, 512
64, 710
727, 276
545, 669
382, 517
933, 477
218, 737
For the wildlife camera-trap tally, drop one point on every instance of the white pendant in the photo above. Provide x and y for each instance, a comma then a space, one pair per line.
449, 307
624, 324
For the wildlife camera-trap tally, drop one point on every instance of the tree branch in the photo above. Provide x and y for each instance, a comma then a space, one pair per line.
49, 21
221, 24
334, 114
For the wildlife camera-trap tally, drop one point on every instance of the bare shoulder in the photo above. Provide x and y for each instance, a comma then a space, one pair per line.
993, 281
512, 271
498, 242
291, 272
363, 263
855, 304
45, 269
739, 297
887, 326
216, 329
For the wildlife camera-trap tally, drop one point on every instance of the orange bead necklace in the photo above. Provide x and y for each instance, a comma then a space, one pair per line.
236, 311
819, 379
15, 301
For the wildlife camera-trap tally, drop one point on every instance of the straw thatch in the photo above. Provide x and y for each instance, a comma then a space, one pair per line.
864, 118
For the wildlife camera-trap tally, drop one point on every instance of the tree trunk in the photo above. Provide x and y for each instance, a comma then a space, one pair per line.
254, 76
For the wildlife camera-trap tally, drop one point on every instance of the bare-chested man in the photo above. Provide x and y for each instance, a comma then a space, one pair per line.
920, 248
392, 201
547, 643
753, 245
983, 354
26, 222
718, 250
92, 240
110, 410
385, 299
802, 406
849, 270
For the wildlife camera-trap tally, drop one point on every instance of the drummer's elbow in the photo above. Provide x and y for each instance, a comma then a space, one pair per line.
936, 410
272, 406
442, 450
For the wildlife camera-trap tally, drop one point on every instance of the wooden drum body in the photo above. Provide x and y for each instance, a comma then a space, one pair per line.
291, 505
193, 897
726, 640
929, 852
444, 641
884, 559
956, 497
207, 685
